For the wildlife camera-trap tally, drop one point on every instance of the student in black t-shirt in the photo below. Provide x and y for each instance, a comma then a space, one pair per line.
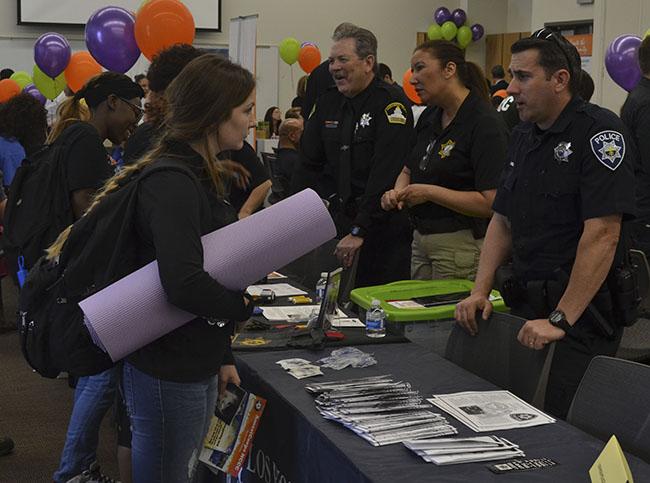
171, 384
114, 103
450, 180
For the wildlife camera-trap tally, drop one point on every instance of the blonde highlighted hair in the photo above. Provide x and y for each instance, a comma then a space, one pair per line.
199, 100
69, 112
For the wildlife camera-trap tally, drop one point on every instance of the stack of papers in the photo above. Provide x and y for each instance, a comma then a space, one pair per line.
279, 289
380, 410
490, 410
449, 451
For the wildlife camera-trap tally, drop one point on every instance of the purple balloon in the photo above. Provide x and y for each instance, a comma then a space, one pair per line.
621, 61
459, 17
52, 53
32, 90
441, 15
477, 31
110, 38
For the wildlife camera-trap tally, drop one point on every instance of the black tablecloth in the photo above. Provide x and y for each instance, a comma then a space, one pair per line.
294, 444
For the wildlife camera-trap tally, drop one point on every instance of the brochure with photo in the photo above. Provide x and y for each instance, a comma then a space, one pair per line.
229, 404
232, 430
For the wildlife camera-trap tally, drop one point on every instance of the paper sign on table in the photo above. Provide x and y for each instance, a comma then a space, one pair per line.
611, 466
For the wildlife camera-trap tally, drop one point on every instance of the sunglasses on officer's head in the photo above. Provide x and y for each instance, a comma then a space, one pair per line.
548, 34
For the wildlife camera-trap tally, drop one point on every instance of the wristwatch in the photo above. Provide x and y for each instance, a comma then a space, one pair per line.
357, 230
557, 318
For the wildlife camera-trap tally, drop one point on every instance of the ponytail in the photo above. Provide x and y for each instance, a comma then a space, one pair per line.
471, 75
71, 111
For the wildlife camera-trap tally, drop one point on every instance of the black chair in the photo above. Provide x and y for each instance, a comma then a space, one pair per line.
635, 343
495, 355
306, 270
279, 186
614, 398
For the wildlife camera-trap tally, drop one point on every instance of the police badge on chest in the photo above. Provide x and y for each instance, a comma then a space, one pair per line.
562, 152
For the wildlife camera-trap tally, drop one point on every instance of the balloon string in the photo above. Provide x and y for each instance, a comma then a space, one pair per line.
293, 85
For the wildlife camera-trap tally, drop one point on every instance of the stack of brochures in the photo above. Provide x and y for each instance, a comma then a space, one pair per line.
449, 451
490, 410
380, 410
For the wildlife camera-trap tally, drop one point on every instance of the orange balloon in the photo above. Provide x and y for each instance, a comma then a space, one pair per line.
8, 89
81, 68
309, 58
409, 90
162, 23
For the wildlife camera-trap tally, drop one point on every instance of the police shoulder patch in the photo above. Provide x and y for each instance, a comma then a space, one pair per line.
609, 148
396, 113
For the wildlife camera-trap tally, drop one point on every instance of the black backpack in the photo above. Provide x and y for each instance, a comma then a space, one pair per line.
100, 250
38, 203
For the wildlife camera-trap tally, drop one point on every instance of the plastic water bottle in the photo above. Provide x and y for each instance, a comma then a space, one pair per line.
375, 320
320, 287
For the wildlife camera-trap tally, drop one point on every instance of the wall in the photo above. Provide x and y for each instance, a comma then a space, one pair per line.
394, 23
492, 15
559, 11
623, 17
611, 19
519, 16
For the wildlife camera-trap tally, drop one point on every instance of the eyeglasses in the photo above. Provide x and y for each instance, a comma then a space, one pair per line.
548, 34
426, 158
137, 110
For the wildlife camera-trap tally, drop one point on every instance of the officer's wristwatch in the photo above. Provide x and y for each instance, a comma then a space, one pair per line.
557, 318
357, 230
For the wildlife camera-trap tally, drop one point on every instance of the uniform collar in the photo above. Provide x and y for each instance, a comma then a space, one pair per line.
358, 100
566, 116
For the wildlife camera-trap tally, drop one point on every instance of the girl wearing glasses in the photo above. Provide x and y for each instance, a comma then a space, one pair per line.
449, 183
112, 100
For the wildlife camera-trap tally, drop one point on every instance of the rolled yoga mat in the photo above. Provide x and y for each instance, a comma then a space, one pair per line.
134, 311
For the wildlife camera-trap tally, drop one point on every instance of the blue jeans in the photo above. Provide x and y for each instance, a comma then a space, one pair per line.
169, 421
93, 396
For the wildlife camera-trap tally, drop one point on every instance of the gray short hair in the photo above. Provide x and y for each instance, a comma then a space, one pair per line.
365, 41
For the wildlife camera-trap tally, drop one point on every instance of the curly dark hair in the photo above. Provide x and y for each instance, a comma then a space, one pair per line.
24, 118
166, 65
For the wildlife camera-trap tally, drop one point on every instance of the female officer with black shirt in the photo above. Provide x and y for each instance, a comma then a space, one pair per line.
171, 384
450, 180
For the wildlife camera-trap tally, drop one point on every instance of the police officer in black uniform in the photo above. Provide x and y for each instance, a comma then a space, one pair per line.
449, 181
558, 212
352, 150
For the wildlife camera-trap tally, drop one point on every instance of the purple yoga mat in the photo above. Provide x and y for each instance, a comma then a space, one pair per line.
134, 311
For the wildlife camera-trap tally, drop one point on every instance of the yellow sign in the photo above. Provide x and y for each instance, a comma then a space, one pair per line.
611, 466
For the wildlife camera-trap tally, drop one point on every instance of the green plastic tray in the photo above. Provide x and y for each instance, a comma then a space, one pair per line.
407, 289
